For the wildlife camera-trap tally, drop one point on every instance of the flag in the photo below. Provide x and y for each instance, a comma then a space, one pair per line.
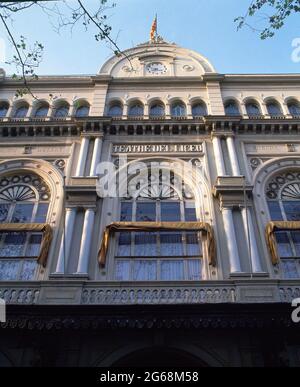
153, 29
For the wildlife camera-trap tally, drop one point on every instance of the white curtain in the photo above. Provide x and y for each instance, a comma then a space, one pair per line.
122, 271
145, 270
194, 269
172, 270
289, 268
9, 270
171, 245
28, 270
145, 244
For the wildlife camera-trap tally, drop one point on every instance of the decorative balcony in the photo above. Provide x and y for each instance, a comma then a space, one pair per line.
77, 292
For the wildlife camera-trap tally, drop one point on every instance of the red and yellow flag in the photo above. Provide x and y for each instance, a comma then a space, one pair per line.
153, 29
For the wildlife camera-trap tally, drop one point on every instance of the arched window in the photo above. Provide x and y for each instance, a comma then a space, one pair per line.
294, 108
178, 109
82, 111
115, 110
252, 109
21, 111
159, 255
231, 108
24, 199
42, 111
4, 106
61, 111
199, 109
136, 110
283, 196
274, 109
157, 110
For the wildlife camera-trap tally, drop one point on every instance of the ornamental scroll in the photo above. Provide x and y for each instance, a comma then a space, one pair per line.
158, 226
33, 227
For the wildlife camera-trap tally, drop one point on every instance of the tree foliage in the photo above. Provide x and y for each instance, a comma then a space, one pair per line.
273, 14
62, 14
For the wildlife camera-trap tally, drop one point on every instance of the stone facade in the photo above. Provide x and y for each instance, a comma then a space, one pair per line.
160, 103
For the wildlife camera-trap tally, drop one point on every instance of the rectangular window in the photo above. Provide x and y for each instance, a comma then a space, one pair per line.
41, 214
192, 245
13, 244
122, 271
124, 246
145, 212
190, 212
284, 244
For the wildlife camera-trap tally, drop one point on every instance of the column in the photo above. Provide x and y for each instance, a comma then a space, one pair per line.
285, 109
233, 156
82, 156
146, 110
64, 250
168, 112
96, 155
250, 234
189, 110
235, 266
244, 110
86, 238
219, 156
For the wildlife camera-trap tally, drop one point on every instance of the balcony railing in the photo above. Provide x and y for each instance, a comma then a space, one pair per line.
78, 292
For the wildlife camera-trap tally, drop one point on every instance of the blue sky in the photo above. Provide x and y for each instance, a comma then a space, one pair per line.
206, 26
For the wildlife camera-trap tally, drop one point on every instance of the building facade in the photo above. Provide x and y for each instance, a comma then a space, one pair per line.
204, 275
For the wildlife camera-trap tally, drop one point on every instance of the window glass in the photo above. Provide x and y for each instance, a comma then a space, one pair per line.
273, 109
124, 246
34, 245
22, 213
252, 109
171, 244
122, 271
13, 244
21, 112
292, 210
199, 110
172, 270
136, 111
178, 110
145, 244
170, 212
194, 269
146, 212
126, 212
28, 270
115, 111
42, 112
4, 208
157, 110
83, 111
61, 111
275, 211
283, 243
294, 109
3, 110
193, 245
41, 214
190, 212
145, 270
231, 109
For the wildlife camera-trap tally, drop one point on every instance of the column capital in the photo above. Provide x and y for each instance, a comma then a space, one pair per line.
222, 134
